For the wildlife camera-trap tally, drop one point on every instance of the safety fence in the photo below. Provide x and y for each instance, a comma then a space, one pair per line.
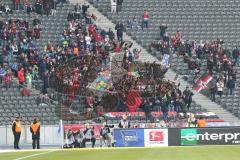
49, 135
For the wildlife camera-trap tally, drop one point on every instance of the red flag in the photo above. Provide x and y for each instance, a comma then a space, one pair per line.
202, 84
134, 100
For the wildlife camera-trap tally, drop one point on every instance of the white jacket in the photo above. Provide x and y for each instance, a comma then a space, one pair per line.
220, 86
113, 2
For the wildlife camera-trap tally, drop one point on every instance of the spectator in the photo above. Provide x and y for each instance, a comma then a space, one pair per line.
163, 28
37, 32
21, 77
84, 8
47, 8
54, 8
220, 86
187, 97
119, 28
230, 85
39, 6
28, 80
113, 6
117, 47
25, 5
77, 11
145, 19
213, 89
45, 83
15, 48
36, 21
30, 9
111, 34
134, 24
2, 73
235, 55
119, 5
16, 4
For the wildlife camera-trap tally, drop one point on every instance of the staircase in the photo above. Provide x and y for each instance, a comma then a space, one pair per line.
105, 23
12, 103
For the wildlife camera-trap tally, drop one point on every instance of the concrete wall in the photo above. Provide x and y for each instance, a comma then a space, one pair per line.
48, 135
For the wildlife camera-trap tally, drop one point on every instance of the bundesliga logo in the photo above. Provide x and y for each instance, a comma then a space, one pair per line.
156, 136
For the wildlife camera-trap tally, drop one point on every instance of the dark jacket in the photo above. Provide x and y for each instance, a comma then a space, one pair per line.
230, 84
119, 28
187, 95
119, 2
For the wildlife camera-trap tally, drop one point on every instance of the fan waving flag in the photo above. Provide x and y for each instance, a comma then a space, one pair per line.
202, 84
133, 100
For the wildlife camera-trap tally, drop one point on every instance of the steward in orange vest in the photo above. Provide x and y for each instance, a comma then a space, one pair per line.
16, 128
201, 122
35, 130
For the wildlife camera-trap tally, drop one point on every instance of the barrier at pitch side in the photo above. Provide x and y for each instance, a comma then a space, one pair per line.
177, 136
139, 137
204, 136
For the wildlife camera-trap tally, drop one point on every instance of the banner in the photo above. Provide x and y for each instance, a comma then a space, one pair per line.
77, 127
129, 137
165, 60
210, 136
156, 137
133, 100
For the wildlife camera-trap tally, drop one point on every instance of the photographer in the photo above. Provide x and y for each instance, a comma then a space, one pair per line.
124, 123
89, 136
105, 134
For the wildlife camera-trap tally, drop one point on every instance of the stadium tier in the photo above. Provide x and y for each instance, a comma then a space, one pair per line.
118, 73
202, 24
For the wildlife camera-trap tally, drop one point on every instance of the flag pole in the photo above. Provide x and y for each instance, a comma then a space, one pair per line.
61, 132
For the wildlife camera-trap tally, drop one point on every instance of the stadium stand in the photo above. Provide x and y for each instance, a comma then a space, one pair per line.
53, 26
199, 21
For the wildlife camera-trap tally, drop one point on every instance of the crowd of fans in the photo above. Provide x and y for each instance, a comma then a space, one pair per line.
18, 41
38, 6
90, 46
220, 62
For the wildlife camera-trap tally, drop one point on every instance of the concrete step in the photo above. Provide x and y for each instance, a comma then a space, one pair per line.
205, 102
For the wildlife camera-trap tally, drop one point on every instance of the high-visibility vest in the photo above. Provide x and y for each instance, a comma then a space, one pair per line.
18, 127
35, 127
201, 123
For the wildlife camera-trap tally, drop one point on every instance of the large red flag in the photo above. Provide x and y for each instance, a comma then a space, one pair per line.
202, 84
133, 100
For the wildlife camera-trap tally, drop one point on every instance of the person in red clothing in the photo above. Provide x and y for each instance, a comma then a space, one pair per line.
16, 4
14, 28
117, 47
91, 29
37, 31
98, 38
145, 19
21, 77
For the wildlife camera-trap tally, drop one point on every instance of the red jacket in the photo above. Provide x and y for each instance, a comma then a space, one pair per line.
91, 29
98, 38
117, 48
145, 15
21, 77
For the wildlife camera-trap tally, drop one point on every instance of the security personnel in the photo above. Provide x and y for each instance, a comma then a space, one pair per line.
16, 128
35, 130
201, 122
